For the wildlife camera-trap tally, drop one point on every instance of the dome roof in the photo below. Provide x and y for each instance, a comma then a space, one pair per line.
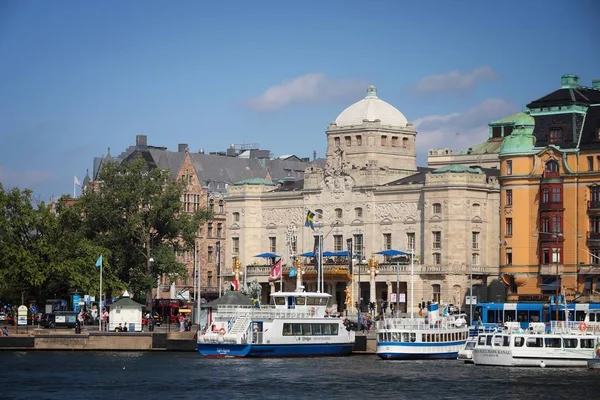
521, 140
371, 108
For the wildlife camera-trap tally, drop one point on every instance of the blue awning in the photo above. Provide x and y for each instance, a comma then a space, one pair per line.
392, 252
267, 255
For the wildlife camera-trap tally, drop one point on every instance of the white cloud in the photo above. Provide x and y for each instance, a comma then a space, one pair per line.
460, 130
306, 89
455, 80
25, 178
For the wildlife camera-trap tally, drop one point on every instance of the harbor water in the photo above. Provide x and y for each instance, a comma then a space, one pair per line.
170, 375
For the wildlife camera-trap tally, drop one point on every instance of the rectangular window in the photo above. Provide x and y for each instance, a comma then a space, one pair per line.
235, 245
437, 240
555, 135
508, 227
509, 197
590, 162
475, 259
338, 242
209, 231
219, 230
475, 236
394, 141
348, 141
273, 245
508, 256
358, 246
384, 140
437, 258
358, 212
359, 140
209, 277
387, 241
556, 195
410, 241
595, 256
509, 167
337, 141
437, 208
210, 254
436, 293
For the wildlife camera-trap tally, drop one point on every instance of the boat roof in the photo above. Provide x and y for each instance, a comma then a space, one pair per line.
300, 294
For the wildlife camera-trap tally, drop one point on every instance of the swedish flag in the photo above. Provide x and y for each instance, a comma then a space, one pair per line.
310, 216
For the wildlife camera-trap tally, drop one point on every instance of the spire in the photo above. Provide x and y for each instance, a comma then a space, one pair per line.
108, 156
371, 92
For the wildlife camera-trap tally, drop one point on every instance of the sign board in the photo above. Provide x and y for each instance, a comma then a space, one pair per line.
470, 300
60, 319
22, 315
402, 297
393, 298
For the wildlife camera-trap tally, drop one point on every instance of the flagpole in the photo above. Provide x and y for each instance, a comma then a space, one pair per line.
281, 276
74, 186
321, 260
100, 295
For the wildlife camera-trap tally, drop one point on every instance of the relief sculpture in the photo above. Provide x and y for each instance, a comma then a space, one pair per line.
396, 211
283, 216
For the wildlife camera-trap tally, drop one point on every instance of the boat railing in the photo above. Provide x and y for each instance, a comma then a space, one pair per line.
264, 312
581, 327
420, 324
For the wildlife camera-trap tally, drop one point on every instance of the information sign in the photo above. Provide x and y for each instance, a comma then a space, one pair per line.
22, 315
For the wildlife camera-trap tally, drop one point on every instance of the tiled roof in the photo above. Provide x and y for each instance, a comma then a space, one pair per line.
565, 96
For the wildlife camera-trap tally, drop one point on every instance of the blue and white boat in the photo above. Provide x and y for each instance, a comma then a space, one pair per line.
428, 337
295, 325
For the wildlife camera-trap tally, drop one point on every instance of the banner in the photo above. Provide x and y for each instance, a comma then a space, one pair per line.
350, 255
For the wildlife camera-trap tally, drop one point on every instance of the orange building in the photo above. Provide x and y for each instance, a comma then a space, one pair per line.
550, 197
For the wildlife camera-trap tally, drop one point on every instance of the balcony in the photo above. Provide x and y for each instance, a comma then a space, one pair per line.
593, 239
589, 269
550, 269
552, 206
550, 237
593, 207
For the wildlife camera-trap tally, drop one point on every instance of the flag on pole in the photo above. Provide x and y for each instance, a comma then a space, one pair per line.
99, 261
235, 285
310, 216
76, 181
292, 272
275, 271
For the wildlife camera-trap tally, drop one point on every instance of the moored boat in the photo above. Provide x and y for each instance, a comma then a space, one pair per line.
295, 325
430, 337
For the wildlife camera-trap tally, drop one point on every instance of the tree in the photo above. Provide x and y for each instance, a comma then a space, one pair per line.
136, 213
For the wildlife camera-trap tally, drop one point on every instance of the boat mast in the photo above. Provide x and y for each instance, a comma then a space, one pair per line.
412, 280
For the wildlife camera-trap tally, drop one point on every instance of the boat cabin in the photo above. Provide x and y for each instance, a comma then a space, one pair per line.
312, 303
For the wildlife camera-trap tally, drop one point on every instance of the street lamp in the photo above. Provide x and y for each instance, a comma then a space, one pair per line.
556, 235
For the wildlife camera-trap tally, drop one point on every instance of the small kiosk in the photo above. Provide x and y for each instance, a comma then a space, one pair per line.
125, 313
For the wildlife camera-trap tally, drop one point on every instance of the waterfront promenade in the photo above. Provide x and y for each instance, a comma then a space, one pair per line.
164, 338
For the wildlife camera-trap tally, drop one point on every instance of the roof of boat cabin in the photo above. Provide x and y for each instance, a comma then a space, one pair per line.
300, 294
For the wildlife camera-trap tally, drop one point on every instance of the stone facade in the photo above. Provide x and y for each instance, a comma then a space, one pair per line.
374, 194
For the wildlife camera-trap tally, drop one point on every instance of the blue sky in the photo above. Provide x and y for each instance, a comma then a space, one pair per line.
77, 77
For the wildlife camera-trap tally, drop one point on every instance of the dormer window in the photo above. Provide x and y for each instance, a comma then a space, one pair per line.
552, 166
384, 140
555, 135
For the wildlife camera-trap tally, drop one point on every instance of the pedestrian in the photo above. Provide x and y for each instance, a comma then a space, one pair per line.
5, 331
181, 323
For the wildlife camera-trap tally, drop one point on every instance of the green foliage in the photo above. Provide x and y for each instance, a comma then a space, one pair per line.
133, 218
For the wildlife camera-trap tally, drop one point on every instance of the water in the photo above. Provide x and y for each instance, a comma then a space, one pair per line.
168, 375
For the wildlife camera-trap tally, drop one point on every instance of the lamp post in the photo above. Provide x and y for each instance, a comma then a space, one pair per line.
373, 264
299, 272
471, 292
556, 256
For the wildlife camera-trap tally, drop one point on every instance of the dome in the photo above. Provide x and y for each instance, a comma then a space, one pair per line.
522, 139
371, 109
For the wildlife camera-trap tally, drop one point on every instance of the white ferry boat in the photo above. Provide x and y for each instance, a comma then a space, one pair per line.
568, 344
429, 337
295, 325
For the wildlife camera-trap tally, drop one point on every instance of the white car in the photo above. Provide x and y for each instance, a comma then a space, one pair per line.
2, 316
466, 354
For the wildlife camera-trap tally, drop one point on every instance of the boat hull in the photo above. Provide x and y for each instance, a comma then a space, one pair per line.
419, 351
273, 350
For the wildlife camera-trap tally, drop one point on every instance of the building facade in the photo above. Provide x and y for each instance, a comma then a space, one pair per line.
371, 191
550, 197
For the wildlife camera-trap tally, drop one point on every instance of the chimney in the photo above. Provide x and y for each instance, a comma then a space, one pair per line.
141, 141
182, 147
569, 81
596, 84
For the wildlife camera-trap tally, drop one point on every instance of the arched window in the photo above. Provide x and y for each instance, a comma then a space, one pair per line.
236, 217
338, 213
404, 143
211, 204
358, 212
476, 209
221, 206
436, 293
552, 166
437, 208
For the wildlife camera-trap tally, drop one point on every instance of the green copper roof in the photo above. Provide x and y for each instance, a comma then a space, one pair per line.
487, 147
254, 181
522, 140
508, 120
457, 168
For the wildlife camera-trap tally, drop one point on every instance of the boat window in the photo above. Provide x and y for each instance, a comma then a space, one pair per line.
306, 331
334, 329
587, 343
523, 316
497, 340
413, 337
592, 316
570, 343
580, 316
405, 336
481, 340
552, 342
312, 301
534, 316
470, 345
327, 329
316, 329
519, 341
534, 342
505, 341
279, 301
491, 316
297, 329
287, 329
488, 340
300, 301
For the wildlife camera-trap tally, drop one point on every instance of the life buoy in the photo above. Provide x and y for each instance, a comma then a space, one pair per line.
222, 331
313, 311
582, 327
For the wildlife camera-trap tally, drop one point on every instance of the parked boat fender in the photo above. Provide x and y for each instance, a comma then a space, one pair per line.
222, 331
583, 326
312, 311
